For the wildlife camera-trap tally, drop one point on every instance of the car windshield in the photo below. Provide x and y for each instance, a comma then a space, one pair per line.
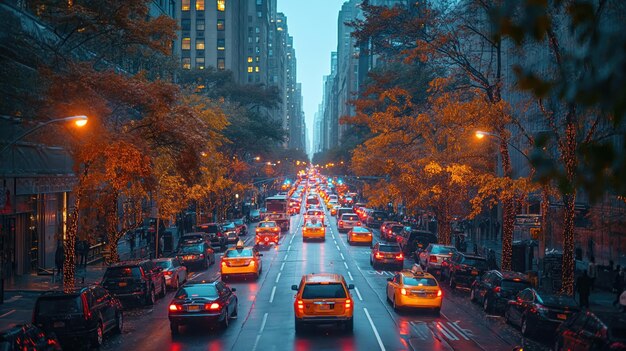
239, 253
324, 291
389, 248
122, 272
350, 217
164, 264
475, 262
55, 305
516, 285
191, 248
443, 250
396, 229
419, 281
191, 291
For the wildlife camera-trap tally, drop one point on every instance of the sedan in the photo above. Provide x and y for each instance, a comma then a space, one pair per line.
462, 269
387, 254
175, 273
434, 255
201, 302
199, 254
535, 311
360, 235
231, 232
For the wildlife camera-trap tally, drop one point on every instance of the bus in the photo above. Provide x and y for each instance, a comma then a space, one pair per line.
277, 208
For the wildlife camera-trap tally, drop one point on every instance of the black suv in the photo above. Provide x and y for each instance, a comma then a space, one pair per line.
217, 238
462, 269
27, 337
84, 314
494, 289
375, 218
597, 331
412, 240
137, 281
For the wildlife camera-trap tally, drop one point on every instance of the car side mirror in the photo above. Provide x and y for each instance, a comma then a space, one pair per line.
350, 286
294, 287
233, 289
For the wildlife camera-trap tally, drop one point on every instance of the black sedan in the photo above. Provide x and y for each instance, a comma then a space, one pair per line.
462, 269
536, 311
202, 303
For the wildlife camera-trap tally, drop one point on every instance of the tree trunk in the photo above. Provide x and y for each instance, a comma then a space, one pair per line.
567, 275
114, 256
508, 210
69, 262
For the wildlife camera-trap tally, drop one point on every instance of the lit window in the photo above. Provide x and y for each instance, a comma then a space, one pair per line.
200, 62
221, 5
221, 64
200, 24
199, 44
256, 69
184, 5
249, 69
250, 59
220, 24
221, 44
258, 59
186, 63
186, 45
199, 5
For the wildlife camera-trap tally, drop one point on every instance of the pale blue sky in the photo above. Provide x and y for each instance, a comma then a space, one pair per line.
313, 26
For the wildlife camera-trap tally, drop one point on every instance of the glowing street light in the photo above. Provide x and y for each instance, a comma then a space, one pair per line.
79, 121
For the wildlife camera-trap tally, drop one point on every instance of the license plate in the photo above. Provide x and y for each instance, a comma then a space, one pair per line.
388, 256
323, 307
122, 284
58, 324
474, 272
561, 316
193, 308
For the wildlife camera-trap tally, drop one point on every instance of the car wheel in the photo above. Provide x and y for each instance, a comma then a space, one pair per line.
235, 312
205, 264
98, 337
486, 305
174, 328
119, 323
349, 325
163, 289
226, 320
393, 303
452, 283
472, 295
525, 328
507, 317
150, 299
176, 283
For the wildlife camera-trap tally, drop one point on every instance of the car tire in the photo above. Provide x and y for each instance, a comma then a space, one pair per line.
163, 289
472, 295
298, 326
119, 323
150, 298
235, 311
174, 328
452, 283
393, 303
205, 264
177, 283
98, 337
487, 305
226, 321
525, 328
349, 325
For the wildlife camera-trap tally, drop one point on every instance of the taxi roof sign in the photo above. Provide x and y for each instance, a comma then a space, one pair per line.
417, 269
240, 244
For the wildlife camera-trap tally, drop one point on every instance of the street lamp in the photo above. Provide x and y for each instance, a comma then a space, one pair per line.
481, 134
80, 121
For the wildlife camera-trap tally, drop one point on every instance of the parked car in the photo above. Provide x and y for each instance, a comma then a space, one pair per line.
387, 255
174, 272
385, 225
83, 315
196, 254
391, 232
242, 228
535, 311
28, 337
217, 238
375, 218
135, 281
432, 258
495, 288
255, 215
462, 269
202, 302
231, 232
587, 331
412, 240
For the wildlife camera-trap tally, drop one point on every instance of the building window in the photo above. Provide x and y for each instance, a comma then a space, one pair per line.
256, 69
249, 69
220, 24
186, 63
186, 45
200, 62
250, 40
257, 50
185, 24
258, 59
199, 5
259, 2
199, 44
221, 5
249, 59
221, 44
185, 5
221, 64
257, 30
259, 14
200, 24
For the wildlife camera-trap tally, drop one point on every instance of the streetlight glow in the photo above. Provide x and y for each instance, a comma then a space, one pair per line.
480, 134
81, 122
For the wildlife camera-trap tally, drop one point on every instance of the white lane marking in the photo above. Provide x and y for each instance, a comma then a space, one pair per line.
350, 274
442, 328
337, 247
335, 241
453, 327
358, 293
380, 342
278, 277
8, 313
282, 266
345, 264
258, 337
287, 254
456, 327
14, 298
272, 295
288, 247
340, 254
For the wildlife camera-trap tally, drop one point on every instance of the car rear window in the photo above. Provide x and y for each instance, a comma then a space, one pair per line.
389, 248
420, 281
396, 229
324, 291
48, 306
267, 224
348, 217
379, 214
475, 262
122, 272
312, 200
515, 284
239, 253
443, 250
164, 264
191, 291
213, 228
191, 248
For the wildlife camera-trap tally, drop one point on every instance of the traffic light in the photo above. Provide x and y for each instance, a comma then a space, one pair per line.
535, 233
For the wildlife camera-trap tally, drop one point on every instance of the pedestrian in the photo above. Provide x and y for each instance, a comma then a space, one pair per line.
59, 257
592, 271
583, 286
618, 285
161, 244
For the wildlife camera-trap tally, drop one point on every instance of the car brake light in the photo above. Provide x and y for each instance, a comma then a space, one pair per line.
378, 255
201, 255
348, 303
174, 307
439, 293
168, 273
399, 256
300, 305
403, 291
358, 223
212, 306
340, 222
497, 289
432, 259
86, 311
224, 264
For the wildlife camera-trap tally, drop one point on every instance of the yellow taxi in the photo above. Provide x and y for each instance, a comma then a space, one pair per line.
241, 260
313, 229
414, 288
360, 235
333, 210
323, 298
